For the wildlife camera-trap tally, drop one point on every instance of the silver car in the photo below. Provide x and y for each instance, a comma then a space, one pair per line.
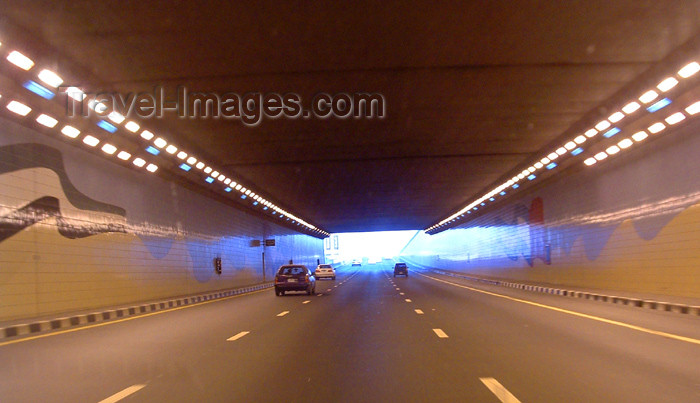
325, 271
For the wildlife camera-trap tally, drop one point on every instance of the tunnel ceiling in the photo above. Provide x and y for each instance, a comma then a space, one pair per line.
472, 90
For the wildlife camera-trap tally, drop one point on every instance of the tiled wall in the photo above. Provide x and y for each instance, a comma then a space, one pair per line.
78, 232
631, 223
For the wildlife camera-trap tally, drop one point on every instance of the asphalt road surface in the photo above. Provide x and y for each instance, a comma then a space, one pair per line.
368, 337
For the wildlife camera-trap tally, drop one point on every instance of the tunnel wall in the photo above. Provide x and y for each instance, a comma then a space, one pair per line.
631, 223
80, 232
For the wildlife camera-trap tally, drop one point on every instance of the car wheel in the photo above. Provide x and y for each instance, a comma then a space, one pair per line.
308, 291
282, 292
333, 277
277, 292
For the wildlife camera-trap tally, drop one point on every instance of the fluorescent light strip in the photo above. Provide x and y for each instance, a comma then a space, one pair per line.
159, 142
70, 131
656, 127
591, 132
667, 84
616, 117
116, 117
626, 143
693, 109
109, 149
675, 118
612, 150
39, 89
18, 108
648, 96
47, 120
132, 126
20, 60
91, 140
631, 107
639, 136
689, 70
602, 125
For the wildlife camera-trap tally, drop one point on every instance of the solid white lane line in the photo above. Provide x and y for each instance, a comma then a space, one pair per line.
282, 313
124, 393
306, 302
440, 333
408, 300
238, 336
499, 390
418, 311
574, 313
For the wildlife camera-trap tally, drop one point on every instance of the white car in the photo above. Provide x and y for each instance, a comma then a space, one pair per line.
325, 271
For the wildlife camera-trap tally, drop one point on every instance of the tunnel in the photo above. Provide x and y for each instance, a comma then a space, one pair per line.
181, 183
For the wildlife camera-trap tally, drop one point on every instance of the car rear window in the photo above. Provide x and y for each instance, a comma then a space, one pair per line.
292, 270
399, 265
325, 266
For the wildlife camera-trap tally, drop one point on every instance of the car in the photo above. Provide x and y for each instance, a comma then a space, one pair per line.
294, 277
356, 263
324, 271
400, 269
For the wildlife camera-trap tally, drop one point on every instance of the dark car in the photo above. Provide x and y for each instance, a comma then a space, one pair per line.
400, 269
294, 277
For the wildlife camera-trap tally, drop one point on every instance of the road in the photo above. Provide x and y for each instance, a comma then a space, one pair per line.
369, 337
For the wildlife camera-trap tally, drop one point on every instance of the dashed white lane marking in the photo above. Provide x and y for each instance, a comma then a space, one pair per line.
328, 289
501, 392
238, 336
418, 311
440, 333
408, 300
401, 293
306, 302
397, 288
282, 313
318, 295
335, 286
124, 393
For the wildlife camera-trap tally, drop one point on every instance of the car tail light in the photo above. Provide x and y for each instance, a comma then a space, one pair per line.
307, 278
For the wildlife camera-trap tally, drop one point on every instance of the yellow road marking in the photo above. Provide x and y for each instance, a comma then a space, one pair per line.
123, 394
41, 336
499, 390
574, 313
440, 333
238, 336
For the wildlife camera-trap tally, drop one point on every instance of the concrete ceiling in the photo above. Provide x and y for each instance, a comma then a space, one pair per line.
472, 89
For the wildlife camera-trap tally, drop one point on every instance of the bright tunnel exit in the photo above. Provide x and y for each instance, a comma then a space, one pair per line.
368, 248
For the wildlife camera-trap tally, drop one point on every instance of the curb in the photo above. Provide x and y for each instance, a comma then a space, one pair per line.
104, 316
635, 302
